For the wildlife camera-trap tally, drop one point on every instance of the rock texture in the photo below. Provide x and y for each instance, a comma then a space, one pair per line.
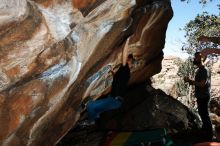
53, 51
141, 110
215, 80
166, 79
149, 110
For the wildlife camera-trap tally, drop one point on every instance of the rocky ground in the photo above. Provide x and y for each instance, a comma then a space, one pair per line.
94, 135
91, 136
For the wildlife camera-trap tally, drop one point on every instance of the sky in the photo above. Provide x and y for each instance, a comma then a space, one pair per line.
183, 13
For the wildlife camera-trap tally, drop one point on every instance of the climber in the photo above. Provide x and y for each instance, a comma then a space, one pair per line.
202, 92
119, 86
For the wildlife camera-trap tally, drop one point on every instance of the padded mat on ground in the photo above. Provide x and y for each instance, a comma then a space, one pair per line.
157, 137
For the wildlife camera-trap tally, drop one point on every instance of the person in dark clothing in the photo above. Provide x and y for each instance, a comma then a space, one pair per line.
121, 78
119, 86
202, 85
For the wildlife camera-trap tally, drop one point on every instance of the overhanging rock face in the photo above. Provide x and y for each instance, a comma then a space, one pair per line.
52, 52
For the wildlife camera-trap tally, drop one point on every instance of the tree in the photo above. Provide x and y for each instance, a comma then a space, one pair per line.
203, 25
200, 1
203, 2
185, 69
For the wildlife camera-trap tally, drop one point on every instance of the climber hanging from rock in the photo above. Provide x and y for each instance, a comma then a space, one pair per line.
118, 89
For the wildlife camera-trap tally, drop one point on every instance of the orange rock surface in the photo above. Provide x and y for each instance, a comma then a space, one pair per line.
52, 51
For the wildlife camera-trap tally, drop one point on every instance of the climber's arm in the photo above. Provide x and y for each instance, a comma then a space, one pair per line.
125, 52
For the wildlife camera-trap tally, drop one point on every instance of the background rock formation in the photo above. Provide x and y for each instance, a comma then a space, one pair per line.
166, 79
52, 51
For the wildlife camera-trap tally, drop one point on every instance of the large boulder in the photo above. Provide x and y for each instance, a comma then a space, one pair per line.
143, 110
52, 52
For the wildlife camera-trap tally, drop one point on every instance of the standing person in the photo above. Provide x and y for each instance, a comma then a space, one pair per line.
119, 86
202, 84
